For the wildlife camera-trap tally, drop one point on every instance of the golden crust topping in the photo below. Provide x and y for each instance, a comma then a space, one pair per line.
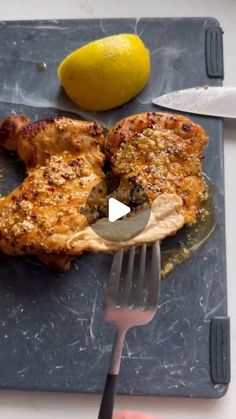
163, 153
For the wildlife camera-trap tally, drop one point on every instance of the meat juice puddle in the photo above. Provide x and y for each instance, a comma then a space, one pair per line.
177, 249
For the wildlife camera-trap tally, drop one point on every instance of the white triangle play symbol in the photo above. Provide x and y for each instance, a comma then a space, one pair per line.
116, 210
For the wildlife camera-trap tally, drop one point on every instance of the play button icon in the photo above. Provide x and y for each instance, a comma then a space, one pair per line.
116, 210
119, 214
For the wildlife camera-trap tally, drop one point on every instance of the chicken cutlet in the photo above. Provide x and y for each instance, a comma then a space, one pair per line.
162, 153
65, 161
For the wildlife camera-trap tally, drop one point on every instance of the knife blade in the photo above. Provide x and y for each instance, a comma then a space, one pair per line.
212, 101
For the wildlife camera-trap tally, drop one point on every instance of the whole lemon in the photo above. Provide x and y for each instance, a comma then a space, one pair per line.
106, 73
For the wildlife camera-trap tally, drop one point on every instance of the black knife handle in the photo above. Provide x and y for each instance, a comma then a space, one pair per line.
108, 397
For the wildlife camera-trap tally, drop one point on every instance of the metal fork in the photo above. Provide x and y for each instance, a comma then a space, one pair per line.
132, 300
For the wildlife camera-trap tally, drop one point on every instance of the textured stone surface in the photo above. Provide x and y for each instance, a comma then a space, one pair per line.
52, 333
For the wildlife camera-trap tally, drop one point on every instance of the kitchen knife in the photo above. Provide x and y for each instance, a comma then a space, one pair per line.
213, 101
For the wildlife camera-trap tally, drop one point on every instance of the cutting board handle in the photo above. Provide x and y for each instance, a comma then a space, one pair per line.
214, 52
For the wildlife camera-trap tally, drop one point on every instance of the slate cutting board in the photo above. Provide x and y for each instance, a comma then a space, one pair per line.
52, 333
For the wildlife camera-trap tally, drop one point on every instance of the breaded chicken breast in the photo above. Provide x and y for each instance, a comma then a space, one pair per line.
163, 154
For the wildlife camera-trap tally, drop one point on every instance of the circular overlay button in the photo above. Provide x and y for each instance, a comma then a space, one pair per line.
123, 214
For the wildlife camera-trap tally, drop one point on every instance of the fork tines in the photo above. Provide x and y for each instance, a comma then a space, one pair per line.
135, 277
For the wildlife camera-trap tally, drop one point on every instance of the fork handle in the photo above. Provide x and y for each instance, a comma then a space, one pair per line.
107, 403
109, 392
